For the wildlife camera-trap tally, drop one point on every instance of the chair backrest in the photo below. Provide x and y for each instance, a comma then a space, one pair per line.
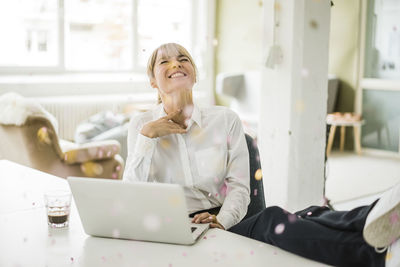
257, 200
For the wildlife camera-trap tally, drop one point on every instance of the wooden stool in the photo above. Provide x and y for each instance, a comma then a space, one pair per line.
343, 120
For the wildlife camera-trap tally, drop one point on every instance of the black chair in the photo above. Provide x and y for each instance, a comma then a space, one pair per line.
257, 200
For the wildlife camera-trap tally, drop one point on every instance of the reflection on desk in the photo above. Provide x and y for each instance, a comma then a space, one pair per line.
26, 239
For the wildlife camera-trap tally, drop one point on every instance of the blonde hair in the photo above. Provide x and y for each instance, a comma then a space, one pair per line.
168, 49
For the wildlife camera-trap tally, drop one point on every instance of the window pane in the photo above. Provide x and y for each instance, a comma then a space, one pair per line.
161, 21
383, 40
98, 34
29, 33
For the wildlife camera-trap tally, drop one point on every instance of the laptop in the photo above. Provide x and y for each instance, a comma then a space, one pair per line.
134, 210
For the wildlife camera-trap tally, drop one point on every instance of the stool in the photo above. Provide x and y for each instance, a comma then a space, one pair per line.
343, 120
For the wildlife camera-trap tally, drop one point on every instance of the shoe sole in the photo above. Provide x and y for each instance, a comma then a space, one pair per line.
382, 226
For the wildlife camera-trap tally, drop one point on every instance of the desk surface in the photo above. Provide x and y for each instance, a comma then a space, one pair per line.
26, 240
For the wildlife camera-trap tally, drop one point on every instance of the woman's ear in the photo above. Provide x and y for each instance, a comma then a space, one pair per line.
153, 83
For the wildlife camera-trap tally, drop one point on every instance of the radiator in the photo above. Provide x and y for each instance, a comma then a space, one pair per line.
72, 110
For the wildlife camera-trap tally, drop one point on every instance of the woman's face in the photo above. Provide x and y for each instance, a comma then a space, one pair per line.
173, 72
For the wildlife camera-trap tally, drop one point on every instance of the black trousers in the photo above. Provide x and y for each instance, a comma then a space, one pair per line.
318, 233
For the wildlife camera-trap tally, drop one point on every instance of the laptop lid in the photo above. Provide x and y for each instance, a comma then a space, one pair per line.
141, 211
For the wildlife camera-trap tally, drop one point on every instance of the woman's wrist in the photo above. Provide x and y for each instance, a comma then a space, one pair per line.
148, 132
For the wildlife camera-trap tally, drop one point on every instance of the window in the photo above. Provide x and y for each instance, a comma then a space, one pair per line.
383, 40
62, 36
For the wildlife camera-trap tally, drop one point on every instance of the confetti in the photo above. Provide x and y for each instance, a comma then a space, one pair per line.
388, 256
165, 143
115, 233
304, 72
184, 254
279, 229
152, 222
300, 106
309, 213
394, 218
43, 136
72, 259
255, 192
258, 175
223, 190
292, 218
314, 24
251, 252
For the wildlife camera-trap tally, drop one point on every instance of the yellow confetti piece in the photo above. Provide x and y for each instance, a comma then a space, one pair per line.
258, 175
300, 105
166, 144
174, 201
388, 256
43, 136
277, 6
91, 169
70, 156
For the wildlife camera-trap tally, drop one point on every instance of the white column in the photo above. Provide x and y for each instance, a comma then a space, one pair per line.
293, 103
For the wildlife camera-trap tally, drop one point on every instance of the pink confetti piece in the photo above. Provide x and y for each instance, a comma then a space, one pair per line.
394, 218
255, 192
279, 229
223, 189
103, 258
309, 213
251, 252
204, 237
292, 218
275, 253
118, 168
184, 254
216, 194
170, 265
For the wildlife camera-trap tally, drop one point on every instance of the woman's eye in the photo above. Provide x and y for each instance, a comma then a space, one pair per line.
184, 59
163, 62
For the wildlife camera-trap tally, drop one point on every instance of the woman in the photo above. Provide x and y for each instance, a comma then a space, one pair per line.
204, 150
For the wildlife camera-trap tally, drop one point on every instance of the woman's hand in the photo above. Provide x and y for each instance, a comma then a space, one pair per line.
206, 217
163, 126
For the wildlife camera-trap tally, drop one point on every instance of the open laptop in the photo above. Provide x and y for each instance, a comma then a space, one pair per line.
140, 211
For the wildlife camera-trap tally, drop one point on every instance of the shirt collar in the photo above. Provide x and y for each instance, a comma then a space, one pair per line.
196, 114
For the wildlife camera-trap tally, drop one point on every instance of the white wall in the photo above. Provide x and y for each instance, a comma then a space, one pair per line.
293, 104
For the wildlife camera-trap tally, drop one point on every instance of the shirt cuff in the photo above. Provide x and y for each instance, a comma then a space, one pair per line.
225, 219
144, 145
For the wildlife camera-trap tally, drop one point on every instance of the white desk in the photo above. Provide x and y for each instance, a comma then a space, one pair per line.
26, 240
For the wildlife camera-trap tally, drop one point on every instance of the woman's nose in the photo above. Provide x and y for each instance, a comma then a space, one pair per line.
176, 64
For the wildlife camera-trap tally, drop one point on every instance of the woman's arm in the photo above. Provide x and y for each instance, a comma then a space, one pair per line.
142, 140
237, 178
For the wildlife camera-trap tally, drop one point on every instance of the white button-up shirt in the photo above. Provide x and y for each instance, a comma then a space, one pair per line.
210, 161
